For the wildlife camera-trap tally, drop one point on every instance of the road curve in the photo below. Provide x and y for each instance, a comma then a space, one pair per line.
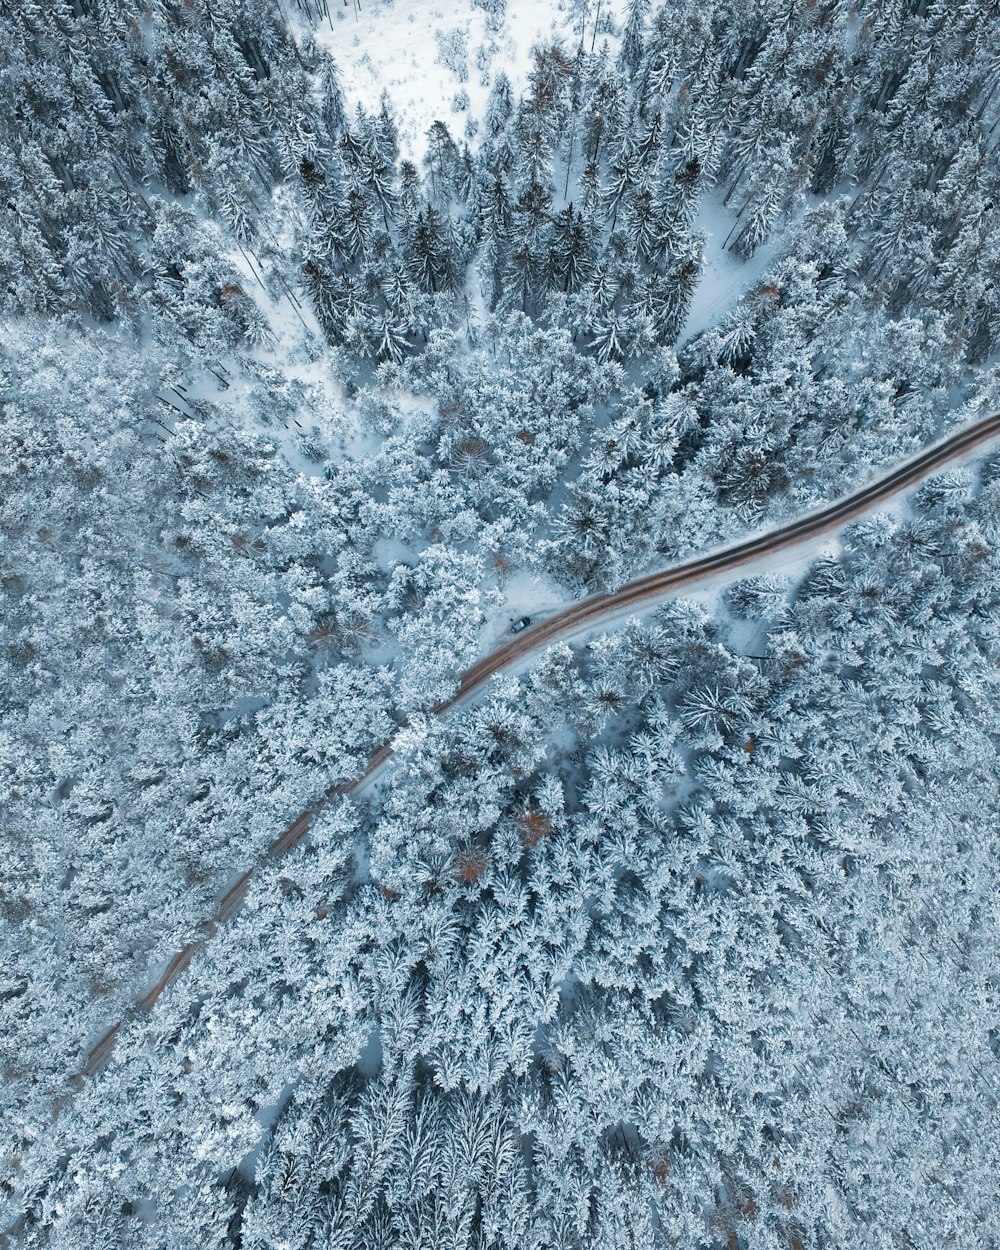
586, 615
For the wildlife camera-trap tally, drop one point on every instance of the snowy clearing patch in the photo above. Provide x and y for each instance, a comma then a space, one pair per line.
391, 48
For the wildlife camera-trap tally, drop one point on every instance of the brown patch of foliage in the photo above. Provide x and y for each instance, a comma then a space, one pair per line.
471, 866
534, 826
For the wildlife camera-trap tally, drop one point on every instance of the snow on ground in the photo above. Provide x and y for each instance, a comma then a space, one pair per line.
390, 47
724, 276
388, 552
524, 594
407, 413
792, 562
326, 428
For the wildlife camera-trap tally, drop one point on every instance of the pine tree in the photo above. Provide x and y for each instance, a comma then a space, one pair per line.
630, 55
427, 256
442, 161
572, 251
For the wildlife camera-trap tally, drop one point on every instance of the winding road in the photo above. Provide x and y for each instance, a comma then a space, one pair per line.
580, 618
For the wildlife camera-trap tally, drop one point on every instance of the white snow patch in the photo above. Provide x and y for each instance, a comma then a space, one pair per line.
389, 552
724, 277
389, 47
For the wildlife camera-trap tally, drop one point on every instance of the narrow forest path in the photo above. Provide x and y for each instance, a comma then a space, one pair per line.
580, 618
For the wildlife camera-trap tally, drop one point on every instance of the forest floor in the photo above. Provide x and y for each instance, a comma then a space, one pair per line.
389, 47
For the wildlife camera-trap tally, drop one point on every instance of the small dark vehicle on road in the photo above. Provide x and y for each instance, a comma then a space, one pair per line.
521, 623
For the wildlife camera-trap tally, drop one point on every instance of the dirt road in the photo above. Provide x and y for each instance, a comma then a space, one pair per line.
592, 612
582, 617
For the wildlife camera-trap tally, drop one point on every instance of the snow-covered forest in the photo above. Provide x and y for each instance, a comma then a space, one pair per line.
336, 337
